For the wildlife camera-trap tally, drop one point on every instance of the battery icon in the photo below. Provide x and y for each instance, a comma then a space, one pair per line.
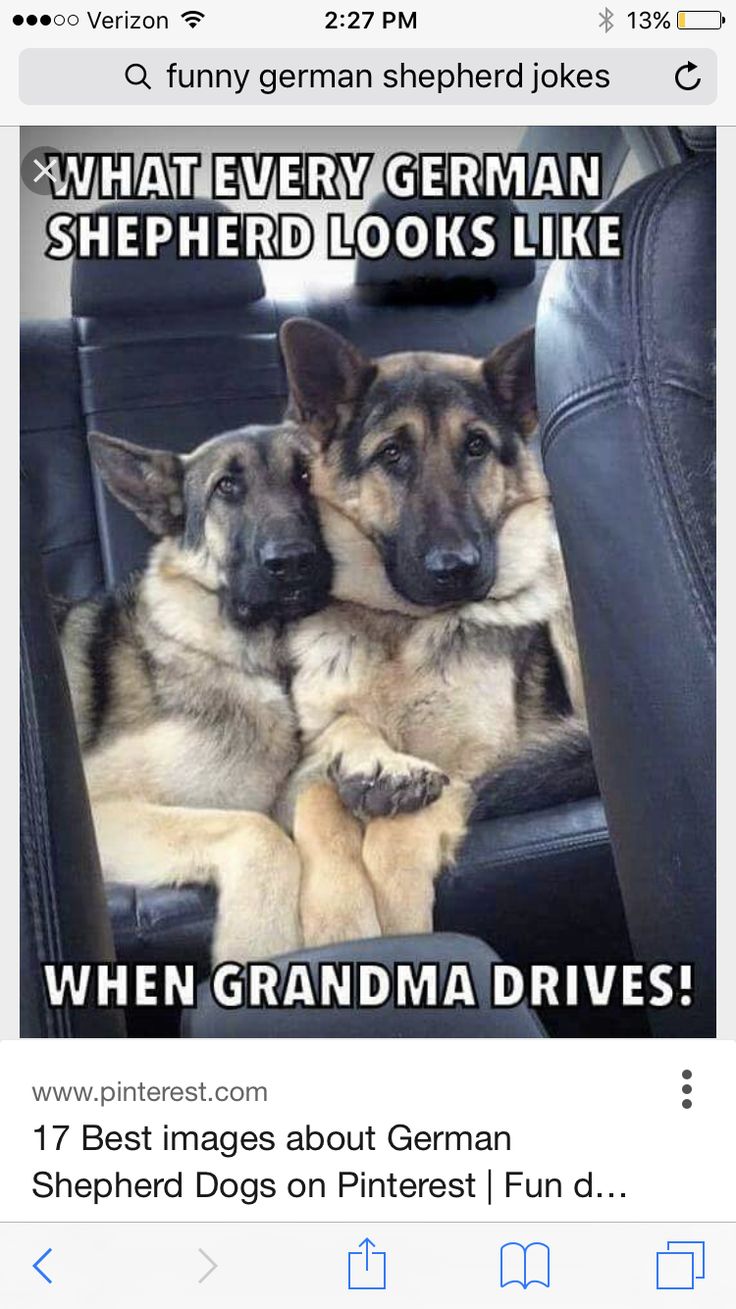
700, 20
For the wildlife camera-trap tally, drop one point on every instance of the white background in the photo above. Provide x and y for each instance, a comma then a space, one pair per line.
570, 1106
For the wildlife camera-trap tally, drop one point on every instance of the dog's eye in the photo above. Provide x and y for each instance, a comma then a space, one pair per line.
477, 443
302, 475
229, 488
389, 454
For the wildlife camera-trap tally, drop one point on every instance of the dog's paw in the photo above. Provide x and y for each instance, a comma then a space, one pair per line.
403, 787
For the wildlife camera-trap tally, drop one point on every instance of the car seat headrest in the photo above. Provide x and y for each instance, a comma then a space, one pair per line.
699, 139
166, 283
431, 277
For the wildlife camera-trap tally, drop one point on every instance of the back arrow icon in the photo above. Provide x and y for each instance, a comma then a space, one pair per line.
210, 1270
39, 1270
689, 67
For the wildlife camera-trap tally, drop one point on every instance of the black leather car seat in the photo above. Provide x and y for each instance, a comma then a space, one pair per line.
627, 394
63, 916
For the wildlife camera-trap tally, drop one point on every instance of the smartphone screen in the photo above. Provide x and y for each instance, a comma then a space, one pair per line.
367, 929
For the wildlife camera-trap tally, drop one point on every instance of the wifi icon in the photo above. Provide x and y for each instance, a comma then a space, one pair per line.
192, 17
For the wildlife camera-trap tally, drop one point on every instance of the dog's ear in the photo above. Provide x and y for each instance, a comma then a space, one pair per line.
509, 372
326, 375
150, 482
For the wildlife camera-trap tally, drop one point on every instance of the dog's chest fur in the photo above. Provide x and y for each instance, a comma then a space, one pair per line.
440, 688
175, 705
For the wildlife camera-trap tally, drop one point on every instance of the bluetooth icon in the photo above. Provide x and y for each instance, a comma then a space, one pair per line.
606, 17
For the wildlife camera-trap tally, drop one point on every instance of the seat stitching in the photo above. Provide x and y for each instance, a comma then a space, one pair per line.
614, 382
607, 400
665, 501
553, 845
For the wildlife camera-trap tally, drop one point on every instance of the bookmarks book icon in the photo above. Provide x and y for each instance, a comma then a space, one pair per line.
526, 1265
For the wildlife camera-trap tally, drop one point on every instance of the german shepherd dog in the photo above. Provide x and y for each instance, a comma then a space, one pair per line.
179, 680
444, 677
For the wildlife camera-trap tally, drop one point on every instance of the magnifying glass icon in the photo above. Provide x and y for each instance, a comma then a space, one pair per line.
137, 75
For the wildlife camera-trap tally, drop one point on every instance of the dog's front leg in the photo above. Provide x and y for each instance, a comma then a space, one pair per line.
258, 875
337, 902
251, 861
372, 779
405, 855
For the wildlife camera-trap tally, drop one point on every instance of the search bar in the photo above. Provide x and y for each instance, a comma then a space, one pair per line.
336, 77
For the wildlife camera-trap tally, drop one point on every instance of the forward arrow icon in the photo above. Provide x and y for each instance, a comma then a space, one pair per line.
210, 1270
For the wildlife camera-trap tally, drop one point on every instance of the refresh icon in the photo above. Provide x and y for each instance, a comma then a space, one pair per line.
683, 76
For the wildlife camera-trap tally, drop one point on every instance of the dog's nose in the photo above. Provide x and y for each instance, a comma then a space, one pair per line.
454, 566
288, 561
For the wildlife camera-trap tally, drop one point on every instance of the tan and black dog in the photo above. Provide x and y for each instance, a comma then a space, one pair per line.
447, 664
180, 681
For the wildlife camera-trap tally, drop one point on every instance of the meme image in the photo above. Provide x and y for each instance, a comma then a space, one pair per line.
368, 582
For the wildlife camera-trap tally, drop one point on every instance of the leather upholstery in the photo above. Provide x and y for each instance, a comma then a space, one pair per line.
55, 461
170, 375
111, 286
625, 363
542, 888
63, 913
